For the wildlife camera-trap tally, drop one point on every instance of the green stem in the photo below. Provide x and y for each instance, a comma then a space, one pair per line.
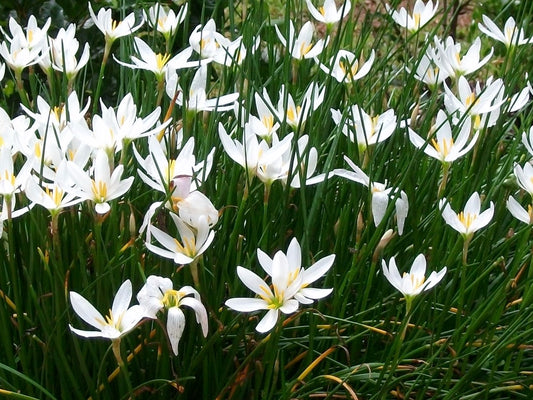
442, 185
20, 88
123, 366
107, 50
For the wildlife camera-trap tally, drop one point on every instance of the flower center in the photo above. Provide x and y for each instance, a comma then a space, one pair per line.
444, 146
467, 219
99, 191
172, 298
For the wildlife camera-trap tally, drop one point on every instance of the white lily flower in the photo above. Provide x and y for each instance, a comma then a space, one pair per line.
158, 63
470, 219
194, 241
445, 148
345, 67
293, 258
482, 105
296, 115
527, 140
368, 130
51, 196
380, 195
265, 123
257, 158
422, 14
11, 183
18, 57
413, 283
520, 212
301, 47
61, 54
121, 319
510, 36
428, 72
33, 39
166, 22
524, 176
103, 187
447, 57
328, 12
114, 29
197, 99
206, 41
158, 294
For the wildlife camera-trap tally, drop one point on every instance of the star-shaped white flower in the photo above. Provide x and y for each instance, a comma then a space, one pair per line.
414, 282
471, 219
121, 318
510, 36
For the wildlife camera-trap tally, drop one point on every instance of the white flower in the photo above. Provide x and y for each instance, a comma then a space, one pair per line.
380, 194
18, 57
444, 147
328, 13
415, 282
369, 130
206, 41
158, 63
345, 67
524, 176
428, 72
448, 59
527, 140
158, 294
510, 36
121, 319
296, 115
103, 187
114, 29
194, 240
166, 22
63, 53
33, 39
520, 212
197, 99
478, 103
422, 14
288, 289
470, 219
302, 46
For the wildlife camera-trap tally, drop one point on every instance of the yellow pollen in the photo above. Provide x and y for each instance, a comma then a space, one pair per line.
1, 141
56, 195
530, 212
110, 321
444, 147
458, 58
30, 36
471, 99
268, 121
161, 22
415, 282
322, 11
188, 247
350, 70
99, 190
172, 298
304, 48
466, 220
37, 150
416, 18
114, 24
291, 113
161, 60
9, 177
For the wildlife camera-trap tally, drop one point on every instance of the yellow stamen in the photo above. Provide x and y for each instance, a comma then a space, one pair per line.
443, 147
99, 190
291, 113
467, 220
161, 60
268, 121
172, 298
304, 48
416, 18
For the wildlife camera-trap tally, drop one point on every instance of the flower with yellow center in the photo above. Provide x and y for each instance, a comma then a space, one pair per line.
510, 36
328, 13
114, 29
301, 47
442, 145
165, 20
121, 318
158, 294
192, 243
103, 187
158, 63
414, 282
289, 285
470, 219
346, 67
421, 15
519, 212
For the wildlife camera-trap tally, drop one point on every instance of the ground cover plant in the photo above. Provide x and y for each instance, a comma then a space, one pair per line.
295, 200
